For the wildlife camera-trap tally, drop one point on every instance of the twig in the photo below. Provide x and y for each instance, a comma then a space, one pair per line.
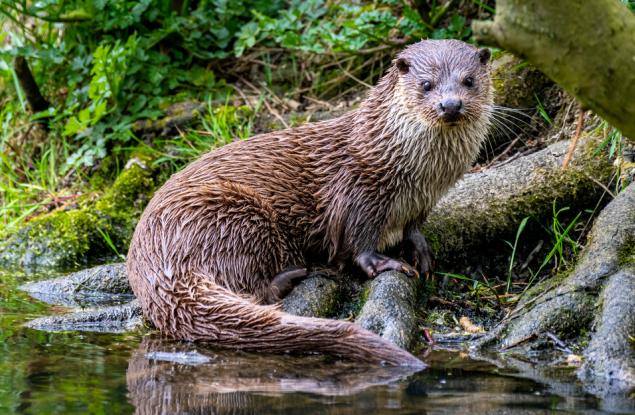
606, 189
509, 160
324, 104
507, 149
574, 141
353, 77
273, 112
243, 96
531, 255
563, 347
492, 289
519, 342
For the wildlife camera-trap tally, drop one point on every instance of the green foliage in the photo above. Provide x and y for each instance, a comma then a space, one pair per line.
319, 27
514, 247
105, 65
614, 142
563, 249
476, 288
220, 125
542, 111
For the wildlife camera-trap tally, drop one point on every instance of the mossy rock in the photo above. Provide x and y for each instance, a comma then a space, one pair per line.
63, 239
56, 239
516, 82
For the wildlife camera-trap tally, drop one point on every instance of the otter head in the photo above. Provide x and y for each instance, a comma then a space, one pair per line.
446, 82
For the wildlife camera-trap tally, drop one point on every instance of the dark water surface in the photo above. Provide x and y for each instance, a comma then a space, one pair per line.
88, 373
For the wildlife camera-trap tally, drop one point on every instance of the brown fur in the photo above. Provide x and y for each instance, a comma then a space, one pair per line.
214, 236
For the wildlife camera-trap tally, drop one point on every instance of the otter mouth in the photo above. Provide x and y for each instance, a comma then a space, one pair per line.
451, 120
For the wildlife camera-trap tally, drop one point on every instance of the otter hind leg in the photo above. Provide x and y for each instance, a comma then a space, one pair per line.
284, 282
242, 245
417, 252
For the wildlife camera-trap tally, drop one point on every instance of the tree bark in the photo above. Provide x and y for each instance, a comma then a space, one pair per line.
34, 97
586, 47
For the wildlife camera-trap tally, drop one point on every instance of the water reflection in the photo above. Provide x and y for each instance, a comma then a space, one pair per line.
169, 377
178, 378
89, 373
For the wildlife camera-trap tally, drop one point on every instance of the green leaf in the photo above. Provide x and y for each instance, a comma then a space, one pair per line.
73, 126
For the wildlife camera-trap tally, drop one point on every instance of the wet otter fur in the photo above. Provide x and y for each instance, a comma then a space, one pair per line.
235, 229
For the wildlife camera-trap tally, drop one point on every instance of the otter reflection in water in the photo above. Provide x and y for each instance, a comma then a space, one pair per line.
166, 377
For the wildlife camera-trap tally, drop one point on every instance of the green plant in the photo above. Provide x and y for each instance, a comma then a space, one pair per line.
476, 286
220, 125
521, 227
110, 244
542, 111
561, 234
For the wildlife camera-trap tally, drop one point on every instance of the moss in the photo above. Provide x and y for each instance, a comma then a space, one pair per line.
58, 239
331, 306
626, 253
453, 236
546, 285
516, 82
63, 239
123, 194
297, 119
353, 308
433, 242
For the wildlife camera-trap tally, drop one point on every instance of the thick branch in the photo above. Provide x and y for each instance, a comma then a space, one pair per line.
586, 47
36, 101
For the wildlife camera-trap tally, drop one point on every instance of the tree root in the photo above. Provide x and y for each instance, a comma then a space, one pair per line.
487, 206
602, 285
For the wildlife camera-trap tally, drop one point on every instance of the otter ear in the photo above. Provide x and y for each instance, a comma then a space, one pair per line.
403, 65
484, 55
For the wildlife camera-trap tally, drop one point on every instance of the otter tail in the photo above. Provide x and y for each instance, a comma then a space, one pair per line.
201, 310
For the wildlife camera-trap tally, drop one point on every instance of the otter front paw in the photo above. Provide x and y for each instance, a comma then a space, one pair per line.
417, 252
373, 264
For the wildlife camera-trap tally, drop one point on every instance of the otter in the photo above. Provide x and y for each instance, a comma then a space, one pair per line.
231, 234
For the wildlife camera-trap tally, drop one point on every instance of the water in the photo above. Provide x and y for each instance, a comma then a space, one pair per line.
89, 373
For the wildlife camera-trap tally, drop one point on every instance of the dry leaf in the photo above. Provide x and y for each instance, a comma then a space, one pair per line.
469, 326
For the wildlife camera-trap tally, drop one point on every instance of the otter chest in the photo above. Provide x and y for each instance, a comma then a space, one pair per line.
417, 194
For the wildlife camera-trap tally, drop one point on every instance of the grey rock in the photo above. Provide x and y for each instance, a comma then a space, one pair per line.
389, 309
190, 358
113, 319
313, 297
103, 285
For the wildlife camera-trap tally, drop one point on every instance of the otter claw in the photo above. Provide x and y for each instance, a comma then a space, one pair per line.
410, 272
373, 264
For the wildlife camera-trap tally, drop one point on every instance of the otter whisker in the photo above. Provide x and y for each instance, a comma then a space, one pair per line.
502, 125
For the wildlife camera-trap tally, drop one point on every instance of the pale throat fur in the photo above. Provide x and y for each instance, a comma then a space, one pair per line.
428, 158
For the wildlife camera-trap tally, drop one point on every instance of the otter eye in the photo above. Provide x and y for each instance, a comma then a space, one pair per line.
468, 82
427, 86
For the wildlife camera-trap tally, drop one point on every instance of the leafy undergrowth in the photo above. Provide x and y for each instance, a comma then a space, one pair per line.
102, 67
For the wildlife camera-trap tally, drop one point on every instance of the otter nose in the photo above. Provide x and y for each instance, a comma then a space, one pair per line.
451, 107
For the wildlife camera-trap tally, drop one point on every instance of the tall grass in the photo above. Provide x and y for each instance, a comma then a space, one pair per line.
219, 126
